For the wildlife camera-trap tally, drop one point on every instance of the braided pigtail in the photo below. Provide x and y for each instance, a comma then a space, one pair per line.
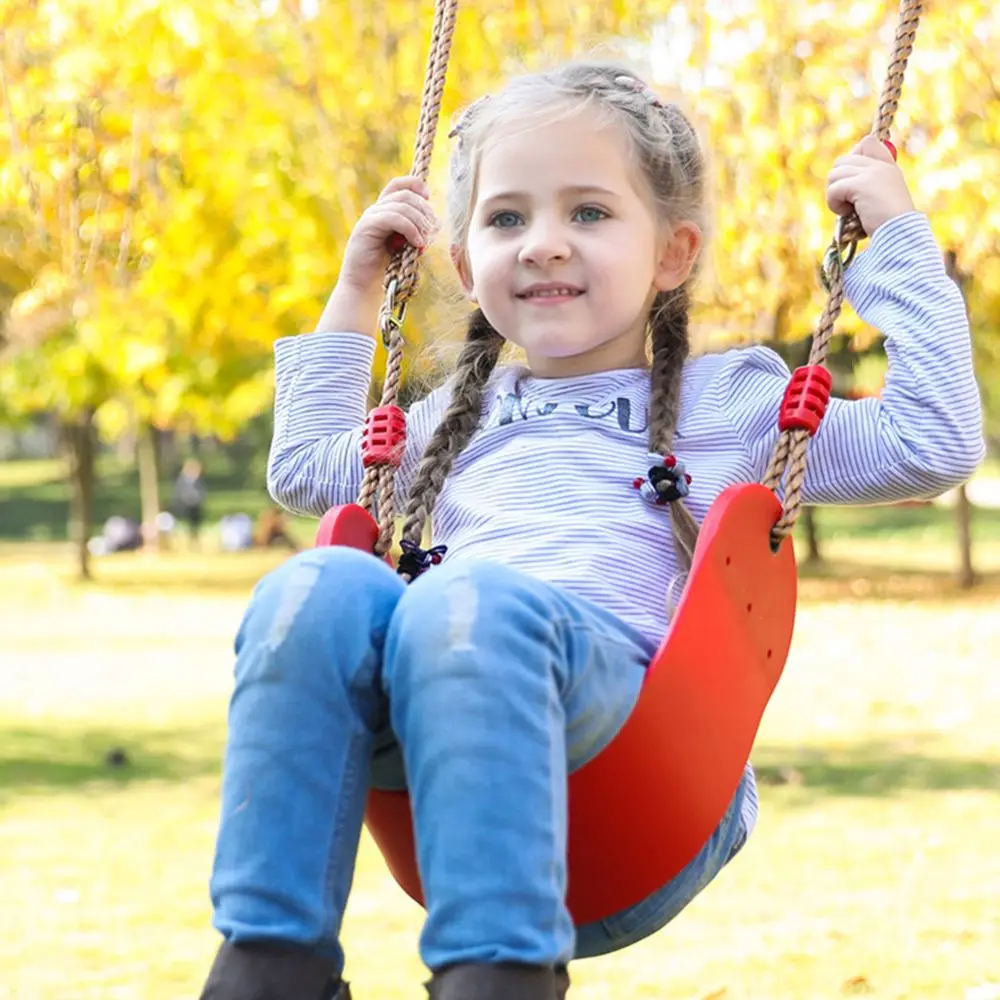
668, 323
475, 365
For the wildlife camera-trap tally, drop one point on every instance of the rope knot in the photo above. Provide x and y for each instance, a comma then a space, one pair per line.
665, 481
416, 560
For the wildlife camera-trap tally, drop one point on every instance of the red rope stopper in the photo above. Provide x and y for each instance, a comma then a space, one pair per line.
805, 399
384, 439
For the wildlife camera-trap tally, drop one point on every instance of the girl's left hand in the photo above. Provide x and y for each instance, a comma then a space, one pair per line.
869, 181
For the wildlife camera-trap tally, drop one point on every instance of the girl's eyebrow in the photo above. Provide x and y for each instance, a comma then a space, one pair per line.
573, 189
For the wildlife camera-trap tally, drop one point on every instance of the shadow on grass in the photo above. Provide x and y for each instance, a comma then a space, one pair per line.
914, 523
61, 759
871, 769
231, 573
182, 571
177, 572
844, 580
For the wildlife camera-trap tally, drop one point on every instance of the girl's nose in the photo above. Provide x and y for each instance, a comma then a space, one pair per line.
543, 244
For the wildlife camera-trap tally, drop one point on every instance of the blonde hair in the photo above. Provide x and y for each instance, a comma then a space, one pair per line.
670, 161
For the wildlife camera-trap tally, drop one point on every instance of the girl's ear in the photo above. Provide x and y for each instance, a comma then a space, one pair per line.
461, 262
678, 253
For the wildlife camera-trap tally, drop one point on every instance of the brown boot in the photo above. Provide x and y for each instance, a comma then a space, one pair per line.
503, 981
272, 972
562, 982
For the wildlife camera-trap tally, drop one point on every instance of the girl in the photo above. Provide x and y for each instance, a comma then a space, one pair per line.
577, 209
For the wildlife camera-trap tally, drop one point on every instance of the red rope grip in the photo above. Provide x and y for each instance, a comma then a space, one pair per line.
384, 439
397, 243
805, 399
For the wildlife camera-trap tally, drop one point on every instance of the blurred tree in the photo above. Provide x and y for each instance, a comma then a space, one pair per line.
178, 180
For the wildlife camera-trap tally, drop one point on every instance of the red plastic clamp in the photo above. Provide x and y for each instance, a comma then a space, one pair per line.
805, 399
384, 439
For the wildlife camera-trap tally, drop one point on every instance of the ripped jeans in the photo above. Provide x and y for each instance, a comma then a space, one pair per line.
476, 686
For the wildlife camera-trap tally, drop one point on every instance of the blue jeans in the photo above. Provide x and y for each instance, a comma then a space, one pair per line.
478, 688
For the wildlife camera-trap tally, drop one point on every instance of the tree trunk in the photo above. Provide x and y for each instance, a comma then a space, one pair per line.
127, 448
963, 515
813, 555
149, 485
78, 436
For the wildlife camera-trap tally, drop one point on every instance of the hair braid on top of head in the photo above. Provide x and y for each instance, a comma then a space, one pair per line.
475, 364
669, 331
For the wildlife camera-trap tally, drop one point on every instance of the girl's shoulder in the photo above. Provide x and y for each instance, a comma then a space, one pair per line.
724, 370
742, 386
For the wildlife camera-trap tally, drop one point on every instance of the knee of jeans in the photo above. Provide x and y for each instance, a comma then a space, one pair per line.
460, 607
442, 606
313, 590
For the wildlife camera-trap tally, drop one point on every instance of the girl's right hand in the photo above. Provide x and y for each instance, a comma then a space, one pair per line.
403, 208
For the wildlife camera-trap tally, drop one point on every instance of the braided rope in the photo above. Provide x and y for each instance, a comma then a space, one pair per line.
378, 487
790, 452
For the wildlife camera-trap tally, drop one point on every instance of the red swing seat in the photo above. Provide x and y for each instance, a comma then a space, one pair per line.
641, 810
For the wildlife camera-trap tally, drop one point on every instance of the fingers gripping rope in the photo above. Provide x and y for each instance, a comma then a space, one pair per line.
378, 488
788, 462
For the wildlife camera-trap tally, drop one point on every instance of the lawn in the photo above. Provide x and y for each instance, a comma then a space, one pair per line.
874, 870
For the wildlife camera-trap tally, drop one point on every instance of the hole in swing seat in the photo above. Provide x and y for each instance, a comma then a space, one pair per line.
749, 608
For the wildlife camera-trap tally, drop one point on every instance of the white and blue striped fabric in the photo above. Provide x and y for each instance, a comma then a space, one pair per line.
546, 484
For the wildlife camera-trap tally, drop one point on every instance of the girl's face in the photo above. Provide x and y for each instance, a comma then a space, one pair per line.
565, 254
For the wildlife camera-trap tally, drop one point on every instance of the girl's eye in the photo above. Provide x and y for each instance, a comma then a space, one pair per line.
504, 220
590, 213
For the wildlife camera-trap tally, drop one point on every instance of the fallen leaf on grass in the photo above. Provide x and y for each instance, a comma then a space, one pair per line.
857, 985
780, 776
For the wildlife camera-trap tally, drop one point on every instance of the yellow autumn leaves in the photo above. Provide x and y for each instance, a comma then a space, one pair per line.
178, 179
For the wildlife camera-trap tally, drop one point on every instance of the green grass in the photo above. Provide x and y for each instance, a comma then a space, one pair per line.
874, 870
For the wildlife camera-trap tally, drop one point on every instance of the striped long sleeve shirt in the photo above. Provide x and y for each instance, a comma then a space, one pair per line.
546, 483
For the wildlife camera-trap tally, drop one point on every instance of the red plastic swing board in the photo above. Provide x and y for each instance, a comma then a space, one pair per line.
641, 810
